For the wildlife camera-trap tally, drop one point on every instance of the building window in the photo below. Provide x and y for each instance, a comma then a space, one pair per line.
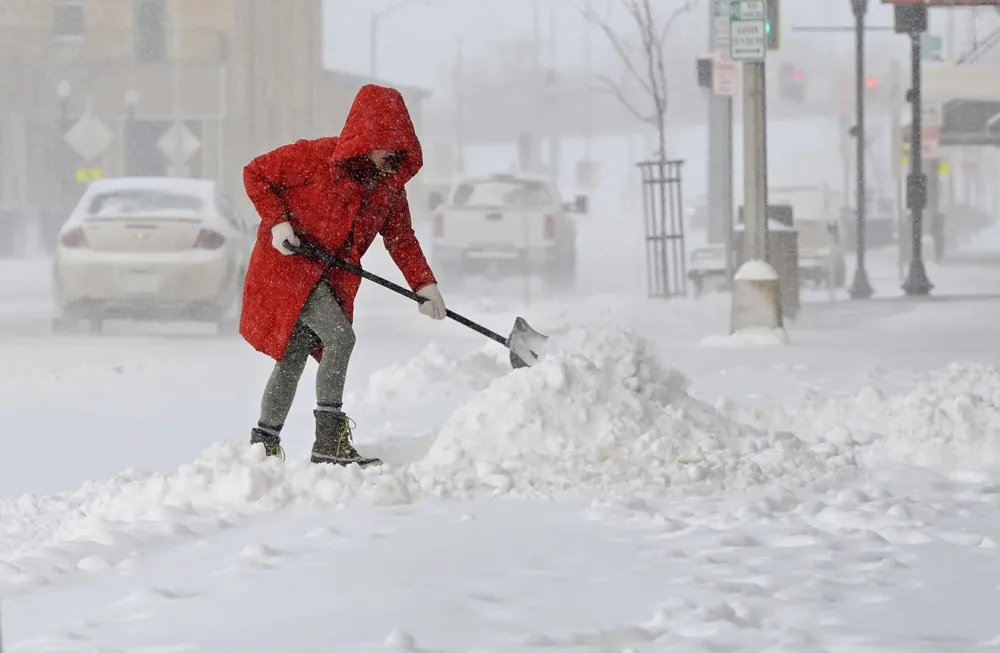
149, 30
67, 19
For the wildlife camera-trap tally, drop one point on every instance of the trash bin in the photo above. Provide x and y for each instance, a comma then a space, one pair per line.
783, 255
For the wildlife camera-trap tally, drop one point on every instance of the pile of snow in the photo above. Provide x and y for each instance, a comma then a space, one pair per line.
950, 419
599, 413
435, 373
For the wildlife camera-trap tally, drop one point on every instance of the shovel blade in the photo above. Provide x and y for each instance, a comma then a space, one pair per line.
526, 345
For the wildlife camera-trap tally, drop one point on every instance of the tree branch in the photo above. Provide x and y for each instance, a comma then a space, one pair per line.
618, 45
616, 89
677, 13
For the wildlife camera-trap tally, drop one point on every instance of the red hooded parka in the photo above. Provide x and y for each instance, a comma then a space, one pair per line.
305, 183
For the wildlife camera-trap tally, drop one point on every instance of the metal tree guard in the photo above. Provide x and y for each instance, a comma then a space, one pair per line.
663, 210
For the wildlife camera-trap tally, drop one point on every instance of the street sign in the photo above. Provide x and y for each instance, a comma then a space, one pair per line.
747, 30
89, 137
750, 9
179, 144
720, 26
723, 74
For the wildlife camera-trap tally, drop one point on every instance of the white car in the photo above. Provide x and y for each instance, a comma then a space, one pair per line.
152, 249
506, 225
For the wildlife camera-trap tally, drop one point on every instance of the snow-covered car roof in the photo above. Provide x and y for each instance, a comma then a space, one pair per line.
201, 190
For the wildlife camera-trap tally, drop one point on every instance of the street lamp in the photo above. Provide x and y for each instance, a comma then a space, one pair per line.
376, 19
861, 288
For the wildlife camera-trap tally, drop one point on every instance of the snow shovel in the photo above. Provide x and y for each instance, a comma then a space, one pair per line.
523, 341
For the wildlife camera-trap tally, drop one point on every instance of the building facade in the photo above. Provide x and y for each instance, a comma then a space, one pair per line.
104, 88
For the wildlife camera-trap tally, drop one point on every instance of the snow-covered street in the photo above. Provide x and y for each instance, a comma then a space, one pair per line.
648, 487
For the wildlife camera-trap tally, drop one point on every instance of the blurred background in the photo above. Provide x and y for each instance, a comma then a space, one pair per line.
110, 89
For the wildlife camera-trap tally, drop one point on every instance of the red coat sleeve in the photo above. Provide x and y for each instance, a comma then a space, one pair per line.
403, 247
268, 174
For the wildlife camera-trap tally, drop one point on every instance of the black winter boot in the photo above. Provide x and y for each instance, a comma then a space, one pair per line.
334, 442
270, 438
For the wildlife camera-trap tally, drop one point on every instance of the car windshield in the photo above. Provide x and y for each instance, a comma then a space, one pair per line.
143, 200
503, 194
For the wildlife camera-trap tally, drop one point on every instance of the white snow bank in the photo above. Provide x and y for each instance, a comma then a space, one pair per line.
434, 372
749, 337
599, 412
950, 419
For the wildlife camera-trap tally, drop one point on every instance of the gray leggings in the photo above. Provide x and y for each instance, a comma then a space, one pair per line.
323, 321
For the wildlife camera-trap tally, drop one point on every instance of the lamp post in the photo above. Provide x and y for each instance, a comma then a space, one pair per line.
376, 21
861, 287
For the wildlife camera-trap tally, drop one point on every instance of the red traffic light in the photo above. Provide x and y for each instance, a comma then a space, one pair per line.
871, 82
797, 75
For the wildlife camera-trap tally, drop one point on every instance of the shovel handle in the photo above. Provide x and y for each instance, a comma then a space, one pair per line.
312, 251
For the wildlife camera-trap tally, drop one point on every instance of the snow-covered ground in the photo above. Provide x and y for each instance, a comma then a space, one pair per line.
649, 486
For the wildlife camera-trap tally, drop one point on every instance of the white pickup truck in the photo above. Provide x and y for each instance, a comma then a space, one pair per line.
506, 225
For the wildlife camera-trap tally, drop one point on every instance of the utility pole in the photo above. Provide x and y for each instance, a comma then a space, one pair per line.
756, 287
720, 141
755, 161
917, 283
861, 288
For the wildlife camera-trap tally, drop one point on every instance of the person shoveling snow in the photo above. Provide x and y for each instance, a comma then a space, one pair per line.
326, 200
340, 192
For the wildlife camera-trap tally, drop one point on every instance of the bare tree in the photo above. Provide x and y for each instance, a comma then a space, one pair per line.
644, 64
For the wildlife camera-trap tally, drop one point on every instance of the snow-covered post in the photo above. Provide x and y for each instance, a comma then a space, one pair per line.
756, 295
756, 298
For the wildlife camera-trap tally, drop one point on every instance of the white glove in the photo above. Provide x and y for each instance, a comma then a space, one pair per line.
434, 306
280, 233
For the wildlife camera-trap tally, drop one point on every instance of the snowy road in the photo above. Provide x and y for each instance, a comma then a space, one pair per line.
839, 493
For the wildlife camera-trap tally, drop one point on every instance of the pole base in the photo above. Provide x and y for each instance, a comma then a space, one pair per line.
861, 288
917, 284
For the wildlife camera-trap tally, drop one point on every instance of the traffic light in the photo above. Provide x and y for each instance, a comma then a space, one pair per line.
772, 28
792, 83
873, 89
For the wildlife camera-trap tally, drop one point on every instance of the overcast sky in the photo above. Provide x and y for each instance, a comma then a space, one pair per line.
417, 42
